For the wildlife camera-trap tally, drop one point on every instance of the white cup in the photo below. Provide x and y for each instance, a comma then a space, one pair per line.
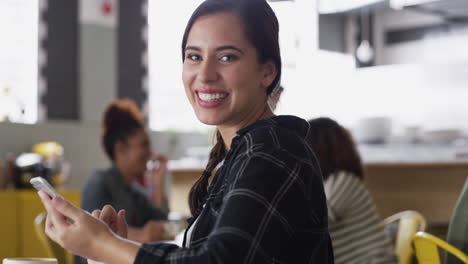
29, 261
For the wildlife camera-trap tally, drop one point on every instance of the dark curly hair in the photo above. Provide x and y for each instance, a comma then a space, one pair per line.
121, 119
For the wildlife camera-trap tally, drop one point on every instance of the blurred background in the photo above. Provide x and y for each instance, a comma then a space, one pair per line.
395, 72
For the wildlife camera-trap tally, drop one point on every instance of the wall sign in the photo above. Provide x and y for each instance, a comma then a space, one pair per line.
99, 12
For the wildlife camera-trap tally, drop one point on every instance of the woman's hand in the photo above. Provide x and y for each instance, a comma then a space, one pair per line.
115, 221
74, 229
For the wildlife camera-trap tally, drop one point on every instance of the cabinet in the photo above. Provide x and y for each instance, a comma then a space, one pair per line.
430, 188
9, 227
182, 181
17, 234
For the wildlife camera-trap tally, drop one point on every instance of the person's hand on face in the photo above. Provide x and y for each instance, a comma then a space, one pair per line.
159, 170
73, 228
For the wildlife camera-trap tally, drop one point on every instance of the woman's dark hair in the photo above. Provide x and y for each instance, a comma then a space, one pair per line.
121, 119
334, 147
261, 30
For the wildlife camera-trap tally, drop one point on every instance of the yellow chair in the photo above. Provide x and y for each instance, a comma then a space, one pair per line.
427, 252
409, 222
53, 249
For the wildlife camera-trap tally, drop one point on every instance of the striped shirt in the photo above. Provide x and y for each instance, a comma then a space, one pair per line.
355, 228
266, 204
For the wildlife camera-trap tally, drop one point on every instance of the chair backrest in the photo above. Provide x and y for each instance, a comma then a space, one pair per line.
427, 252
409, 222
53, 249
458, 227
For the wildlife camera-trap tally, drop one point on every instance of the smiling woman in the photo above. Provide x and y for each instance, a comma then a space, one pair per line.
226, 72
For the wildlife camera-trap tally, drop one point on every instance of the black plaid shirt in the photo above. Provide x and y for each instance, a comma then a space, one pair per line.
266, 204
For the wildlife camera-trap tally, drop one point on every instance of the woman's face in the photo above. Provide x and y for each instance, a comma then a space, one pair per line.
223, 79
136, 151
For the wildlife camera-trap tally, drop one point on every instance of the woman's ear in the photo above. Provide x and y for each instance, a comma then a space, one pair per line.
269, 73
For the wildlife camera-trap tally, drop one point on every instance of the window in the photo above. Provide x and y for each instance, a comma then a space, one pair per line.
168, 106
18, 60
306, 70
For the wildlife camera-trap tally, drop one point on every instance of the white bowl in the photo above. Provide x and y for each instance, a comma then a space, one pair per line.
373, 130
441, 136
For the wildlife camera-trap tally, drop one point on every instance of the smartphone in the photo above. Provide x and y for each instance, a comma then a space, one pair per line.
41, 184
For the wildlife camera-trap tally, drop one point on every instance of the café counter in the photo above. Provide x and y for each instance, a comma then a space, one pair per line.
431, 188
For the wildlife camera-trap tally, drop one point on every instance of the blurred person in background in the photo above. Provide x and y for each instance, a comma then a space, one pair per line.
127, 145
355, 227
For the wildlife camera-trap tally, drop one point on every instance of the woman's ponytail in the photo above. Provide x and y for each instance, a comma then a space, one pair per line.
199, 190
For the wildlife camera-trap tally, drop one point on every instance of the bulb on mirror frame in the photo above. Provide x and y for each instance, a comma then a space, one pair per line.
364, 52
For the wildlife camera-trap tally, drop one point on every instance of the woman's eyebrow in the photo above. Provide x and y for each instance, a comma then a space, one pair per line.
226, 47
192, 48
220, 48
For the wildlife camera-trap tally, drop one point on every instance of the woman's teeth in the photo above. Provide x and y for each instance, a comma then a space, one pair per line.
211, 96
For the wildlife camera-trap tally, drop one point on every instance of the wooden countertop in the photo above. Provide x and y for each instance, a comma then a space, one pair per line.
445, 164
441, 164
432, 188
